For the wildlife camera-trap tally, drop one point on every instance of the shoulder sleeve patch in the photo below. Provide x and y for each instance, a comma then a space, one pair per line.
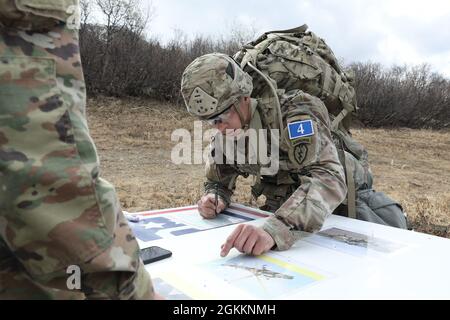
304, 138
300, 129
299, 153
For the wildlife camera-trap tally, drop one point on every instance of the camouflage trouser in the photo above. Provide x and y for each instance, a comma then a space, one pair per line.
55, 211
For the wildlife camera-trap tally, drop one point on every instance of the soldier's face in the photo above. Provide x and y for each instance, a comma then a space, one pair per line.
233, 125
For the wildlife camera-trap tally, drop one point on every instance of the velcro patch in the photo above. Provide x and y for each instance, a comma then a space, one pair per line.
300, 129
300, 153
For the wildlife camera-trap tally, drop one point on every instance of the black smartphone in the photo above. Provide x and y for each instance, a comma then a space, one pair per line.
153, 254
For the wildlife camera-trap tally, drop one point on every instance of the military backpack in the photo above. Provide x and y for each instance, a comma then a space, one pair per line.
297, 59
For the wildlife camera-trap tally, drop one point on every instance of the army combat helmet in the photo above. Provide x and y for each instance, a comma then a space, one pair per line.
213, 83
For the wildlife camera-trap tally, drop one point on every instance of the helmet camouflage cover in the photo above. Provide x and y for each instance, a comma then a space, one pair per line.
213, 82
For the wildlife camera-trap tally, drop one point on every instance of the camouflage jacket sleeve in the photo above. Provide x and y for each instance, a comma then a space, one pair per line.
320, 173
117, 272
55, 210
220, 177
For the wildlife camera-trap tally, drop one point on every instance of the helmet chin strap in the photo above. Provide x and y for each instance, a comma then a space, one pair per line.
244, 126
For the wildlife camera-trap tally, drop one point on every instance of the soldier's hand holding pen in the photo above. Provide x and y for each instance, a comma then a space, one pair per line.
207, 206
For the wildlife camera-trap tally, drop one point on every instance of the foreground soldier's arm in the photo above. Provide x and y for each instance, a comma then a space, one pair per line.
321, 175
117, 272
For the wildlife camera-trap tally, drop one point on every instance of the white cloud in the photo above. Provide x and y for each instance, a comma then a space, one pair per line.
385, 31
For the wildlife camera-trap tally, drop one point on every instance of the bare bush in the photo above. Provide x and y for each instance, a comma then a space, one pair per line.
403, 96
119, 61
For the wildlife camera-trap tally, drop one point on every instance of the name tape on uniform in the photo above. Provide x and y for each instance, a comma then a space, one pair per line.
300, 129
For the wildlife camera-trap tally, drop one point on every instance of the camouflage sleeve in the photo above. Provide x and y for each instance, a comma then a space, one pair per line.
220, 177
117, 272
321, 175
55, 210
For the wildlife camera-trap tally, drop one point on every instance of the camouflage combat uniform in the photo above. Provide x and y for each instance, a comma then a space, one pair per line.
55, 210
310, 183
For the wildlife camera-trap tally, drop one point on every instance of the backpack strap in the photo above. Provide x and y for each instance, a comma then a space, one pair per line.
301, 29
348, 108
350, 200
351, 190
276, 100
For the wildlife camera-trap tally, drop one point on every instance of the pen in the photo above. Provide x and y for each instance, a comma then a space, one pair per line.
216, 202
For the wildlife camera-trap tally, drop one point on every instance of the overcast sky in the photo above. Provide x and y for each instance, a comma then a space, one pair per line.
387, 31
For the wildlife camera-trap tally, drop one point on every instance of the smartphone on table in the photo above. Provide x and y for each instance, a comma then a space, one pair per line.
153, 254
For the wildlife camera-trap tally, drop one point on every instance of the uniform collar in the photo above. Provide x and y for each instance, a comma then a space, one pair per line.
257, 125
255, 122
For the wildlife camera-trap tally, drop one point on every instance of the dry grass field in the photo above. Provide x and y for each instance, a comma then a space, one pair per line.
133, 138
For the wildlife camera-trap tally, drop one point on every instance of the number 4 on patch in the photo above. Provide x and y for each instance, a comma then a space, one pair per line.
300, 129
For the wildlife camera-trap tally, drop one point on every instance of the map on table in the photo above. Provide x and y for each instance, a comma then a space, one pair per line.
267, 277
350, 242
155, 225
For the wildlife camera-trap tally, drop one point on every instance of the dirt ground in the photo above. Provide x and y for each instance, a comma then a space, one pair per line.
133, 138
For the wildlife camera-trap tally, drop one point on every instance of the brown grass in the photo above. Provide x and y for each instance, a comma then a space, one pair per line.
133, 138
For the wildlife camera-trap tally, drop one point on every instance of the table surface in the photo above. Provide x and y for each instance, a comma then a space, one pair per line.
351, 260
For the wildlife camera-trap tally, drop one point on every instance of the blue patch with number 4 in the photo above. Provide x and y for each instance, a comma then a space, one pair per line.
300, 129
